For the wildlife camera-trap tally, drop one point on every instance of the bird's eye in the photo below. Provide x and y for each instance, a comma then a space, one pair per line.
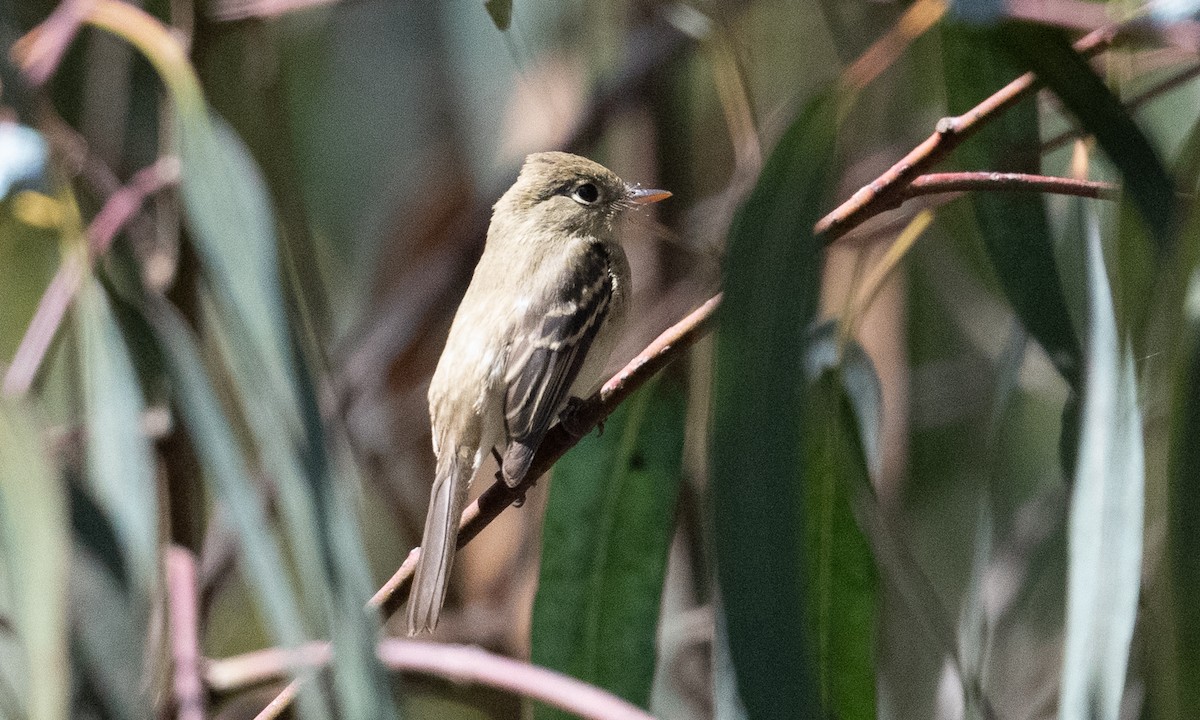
586, 194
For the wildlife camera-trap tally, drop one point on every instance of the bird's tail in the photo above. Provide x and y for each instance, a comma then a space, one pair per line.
432, 576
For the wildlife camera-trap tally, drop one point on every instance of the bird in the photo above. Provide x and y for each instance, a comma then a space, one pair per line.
534, 331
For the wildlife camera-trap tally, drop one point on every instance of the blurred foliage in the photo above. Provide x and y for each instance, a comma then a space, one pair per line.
233, 234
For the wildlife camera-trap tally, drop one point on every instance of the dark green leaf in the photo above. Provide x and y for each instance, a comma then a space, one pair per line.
1048, 53
842, 580
1013, 226
1175, 682
501, 13
608, 527
1105, 523
771, 285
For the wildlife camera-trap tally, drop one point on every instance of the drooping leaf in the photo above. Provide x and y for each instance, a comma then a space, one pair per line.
842, 576
1013, 226
608, 527
36, 556
1183, 533
1048, 53
1105, 522
222, 457
120, 464
771, 286
231, 221
501, 13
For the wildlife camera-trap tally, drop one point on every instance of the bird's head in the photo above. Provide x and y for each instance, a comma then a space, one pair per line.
561, 192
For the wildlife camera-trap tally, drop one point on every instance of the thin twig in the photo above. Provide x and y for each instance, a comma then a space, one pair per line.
460, 664
40, 52
118, 210
887, 191
936, 183
588, 415
183, 612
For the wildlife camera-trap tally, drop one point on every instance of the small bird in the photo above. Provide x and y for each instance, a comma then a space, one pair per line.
535, 329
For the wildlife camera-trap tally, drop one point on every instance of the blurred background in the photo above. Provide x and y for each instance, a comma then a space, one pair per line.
233, 234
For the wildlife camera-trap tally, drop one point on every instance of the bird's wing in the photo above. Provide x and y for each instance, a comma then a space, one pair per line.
548, 354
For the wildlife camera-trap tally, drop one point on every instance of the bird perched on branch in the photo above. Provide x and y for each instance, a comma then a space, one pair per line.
535, 329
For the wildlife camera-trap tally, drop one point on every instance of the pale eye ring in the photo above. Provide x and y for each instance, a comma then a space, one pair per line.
586, 194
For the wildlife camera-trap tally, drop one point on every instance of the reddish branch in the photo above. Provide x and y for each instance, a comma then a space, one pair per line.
457, 663
935, 183
118, 210
184, 618
889, 189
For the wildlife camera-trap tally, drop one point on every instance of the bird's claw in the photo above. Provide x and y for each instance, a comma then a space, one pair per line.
569, 419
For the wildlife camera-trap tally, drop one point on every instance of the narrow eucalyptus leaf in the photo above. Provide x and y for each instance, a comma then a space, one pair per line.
1105, 523
608, 528
36, 556
772, 278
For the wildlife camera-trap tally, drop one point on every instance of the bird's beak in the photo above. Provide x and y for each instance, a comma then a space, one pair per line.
645, 196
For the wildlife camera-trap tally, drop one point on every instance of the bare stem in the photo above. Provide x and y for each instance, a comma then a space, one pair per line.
936, 183
183, 609
888, 190
460, 664
118, 210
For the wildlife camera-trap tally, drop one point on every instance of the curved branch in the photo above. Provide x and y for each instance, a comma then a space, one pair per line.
936, 183
461, 664
888, 191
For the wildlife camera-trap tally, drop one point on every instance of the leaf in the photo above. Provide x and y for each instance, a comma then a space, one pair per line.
501, 13
120, 464
609, 521
36, 556
843, 579
221, 456
1176, 691
1013, 226
771, 285
1048, 53
107, 637
1105, 521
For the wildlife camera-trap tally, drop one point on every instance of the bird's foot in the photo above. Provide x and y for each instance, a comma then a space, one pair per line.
522, 490
571, 422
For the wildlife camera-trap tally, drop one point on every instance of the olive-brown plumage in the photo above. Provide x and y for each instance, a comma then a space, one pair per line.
534, 329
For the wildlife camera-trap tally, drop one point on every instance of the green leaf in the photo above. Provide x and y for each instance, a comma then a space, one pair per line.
1105, 522
609, 521
108, 637
120, 464
772, 279
1013, 226
36, 555
221, 455
842, 577
501, 13
1176, 691
1048, 53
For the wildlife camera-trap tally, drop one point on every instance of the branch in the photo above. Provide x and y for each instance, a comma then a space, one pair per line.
936, 183
182, 608
459, 664
118, 210
588, 415
40, 52
888, 191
